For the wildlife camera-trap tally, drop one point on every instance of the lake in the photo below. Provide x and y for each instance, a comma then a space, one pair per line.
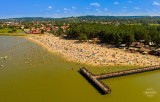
32, 74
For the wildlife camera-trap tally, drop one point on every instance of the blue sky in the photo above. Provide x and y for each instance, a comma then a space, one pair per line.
65, 8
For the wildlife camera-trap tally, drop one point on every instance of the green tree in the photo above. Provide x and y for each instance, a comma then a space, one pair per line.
118, 40
59, 32
129, 38
157, 40
82, 37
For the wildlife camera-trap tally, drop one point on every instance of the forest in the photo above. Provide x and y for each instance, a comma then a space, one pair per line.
114, 34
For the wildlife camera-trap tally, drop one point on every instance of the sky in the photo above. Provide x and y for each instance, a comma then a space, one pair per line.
67, 8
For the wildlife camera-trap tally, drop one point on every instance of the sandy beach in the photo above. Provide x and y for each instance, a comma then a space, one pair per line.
92, 54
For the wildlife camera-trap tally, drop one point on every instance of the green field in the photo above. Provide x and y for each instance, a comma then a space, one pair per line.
5, 32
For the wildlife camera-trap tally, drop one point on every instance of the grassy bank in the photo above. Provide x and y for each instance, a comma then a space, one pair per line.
9, 32
6, 30
13, 34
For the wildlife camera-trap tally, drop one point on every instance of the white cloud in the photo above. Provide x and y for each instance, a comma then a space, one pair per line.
147, 10
136, 8
58, 10
124, 10
99, 11
154, 10
73, 7
49, 7
116, 3
155, 3
65, 9
95, 4
130, 2
105, 9
65, 12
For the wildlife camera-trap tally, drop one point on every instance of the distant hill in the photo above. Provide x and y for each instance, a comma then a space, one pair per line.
116, 17
152, 19
30, 19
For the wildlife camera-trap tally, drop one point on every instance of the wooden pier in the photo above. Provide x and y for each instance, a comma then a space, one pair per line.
104, 89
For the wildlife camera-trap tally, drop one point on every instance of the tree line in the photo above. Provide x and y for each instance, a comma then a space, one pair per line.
114, 34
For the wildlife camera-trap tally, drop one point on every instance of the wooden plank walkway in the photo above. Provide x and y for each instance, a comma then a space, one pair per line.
104, 89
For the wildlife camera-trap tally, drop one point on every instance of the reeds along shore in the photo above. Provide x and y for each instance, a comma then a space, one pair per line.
92, 54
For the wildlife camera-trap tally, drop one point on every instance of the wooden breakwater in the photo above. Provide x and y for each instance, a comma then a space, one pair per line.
104, 89
127, 72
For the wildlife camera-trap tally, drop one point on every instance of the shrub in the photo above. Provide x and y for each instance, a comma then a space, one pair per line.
82, 37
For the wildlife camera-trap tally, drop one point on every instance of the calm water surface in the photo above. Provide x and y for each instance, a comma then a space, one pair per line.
31, 74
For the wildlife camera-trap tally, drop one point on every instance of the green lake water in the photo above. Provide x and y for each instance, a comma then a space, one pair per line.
31, 74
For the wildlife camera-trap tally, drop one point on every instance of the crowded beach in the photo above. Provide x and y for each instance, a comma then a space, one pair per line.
92, 54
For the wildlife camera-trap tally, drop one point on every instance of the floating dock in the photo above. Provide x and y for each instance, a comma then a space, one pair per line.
104, 89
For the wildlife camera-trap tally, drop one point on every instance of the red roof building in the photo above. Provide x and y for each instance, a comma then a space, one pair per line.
35, 31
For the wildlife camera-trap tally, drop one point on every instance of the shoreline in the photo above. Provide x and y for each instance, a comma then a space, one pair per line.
49, 49
92, 54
